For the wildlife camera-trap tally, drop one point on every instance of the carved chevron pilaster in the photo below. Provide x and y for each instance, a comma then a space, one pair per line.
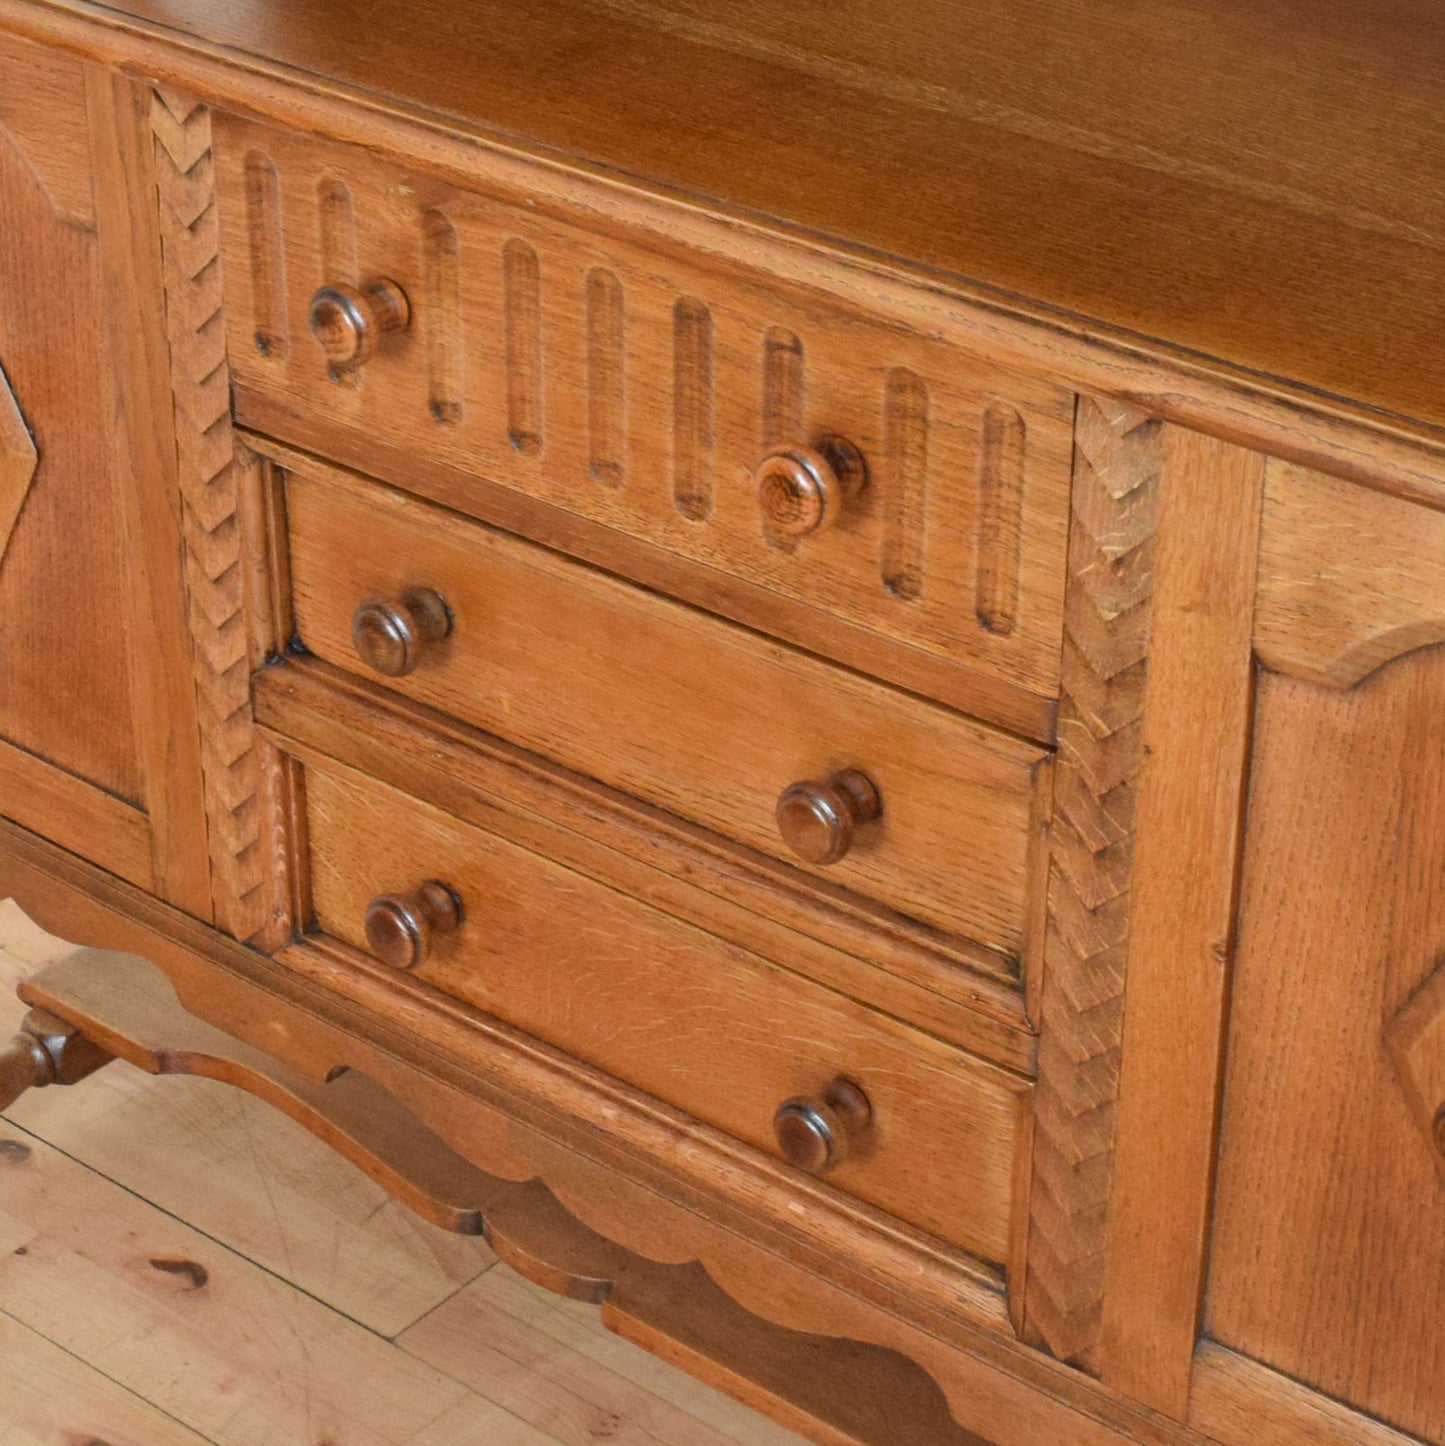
210, 482
1086, 951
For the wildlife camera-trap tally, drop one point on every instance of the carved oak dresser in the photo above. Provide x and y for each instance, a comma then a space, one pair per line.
790, 656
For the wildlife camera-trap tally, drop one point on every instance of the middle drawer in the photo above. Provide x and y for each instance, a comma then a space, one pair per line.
672, 705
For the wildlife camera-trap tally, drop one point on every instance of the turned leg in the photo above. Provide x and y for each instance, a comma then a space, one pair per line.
46, 1051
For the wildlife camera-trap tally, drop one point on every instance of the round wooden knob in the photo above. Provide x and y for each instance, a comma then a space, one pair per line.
401, 928
817, 1134
802, 490
349, 321
390, 637
818, 820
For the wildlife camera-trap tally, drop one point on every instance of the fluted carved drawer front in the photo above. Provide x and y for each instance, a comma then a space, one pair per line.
787, 444
868, 789
887, 1113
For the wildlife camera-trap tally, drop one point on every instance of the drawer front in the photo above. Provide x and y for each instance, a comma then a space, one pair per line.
703, 1025
671, 705
618, 377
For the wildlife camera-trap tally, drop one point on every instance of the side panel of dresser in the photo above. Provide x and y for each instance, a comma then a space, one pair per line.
98, 746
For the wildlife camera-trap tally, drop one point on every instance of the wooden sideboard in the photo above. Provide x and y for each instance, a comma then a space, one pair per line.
792, 658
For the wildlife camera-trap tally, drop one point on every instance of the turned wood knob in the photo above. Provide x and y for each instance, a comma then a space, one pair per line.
402, 928
349, 321
818, 820
816, 1134
802, 490
390, 637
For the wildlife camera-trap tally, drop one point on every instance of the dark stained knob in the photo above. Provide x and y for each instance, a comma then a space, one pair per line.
401, 928
802, 490
1440, 1129
349, 321
818, 820
817, 1134
390, 637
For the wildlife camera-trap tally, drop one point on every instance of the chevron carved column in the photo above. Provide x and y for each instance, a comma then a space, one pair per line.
210, 480
1086, 952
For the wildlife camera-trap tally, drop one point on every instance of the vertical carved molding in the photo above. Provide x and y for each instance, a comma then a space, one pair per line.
445, 344
210, 481
692, 409
1000, 518
905, 481
522, 304
268, 261
1114, 511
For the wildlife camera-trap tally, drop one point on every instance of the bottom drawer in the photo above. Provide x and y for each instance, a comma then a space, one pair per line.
700, 1023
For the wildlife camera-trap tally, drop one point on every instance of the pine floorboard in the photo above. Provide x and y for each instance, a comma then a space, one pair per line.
179, 1264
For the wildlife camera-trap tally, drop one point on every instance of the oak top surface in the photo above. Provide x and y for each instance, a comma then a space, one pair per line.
1257, 181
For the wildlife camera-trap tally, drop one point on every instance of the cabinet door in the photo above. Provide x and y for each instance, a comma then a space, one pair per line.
1329, 1246
98, 744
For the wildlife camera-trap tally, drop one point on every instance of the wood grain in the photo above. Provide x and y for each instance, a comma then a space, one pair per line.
76, 814
1232, 1398
952, 1323
50, 1396
693, 364
65, 639
163, 697
1087, 936
1182, 901
641, 693
1014, 149
1328, 1259
317, 713
209, 481
1179, 385
1348, 578
645, 997
18, 460
1415, 1040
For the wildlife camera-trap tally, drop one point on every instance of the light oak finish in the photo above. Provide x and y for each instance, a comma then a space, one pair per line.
1080, 1001
674, 1011
18, 460
1328, 1260
1415, 1039
852, 768
617, 381
1196, 725
660, 701
1348, 579
1052, 122
968, 995
89, 592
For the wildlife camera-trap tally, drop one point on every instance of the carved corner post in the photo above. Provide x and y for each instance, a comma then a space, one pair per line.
220, 484
1114, 513
1154, 730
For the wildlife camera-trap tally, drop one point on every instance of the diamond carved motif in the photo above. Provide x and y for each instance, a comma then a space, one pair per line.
18, 461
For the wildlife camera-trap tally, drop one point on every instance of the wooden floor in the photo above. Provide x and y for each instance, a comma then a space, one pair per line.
179, 1264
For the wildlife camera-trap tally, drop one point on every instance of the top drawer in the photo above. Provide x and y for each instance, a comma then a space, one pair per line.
639, 385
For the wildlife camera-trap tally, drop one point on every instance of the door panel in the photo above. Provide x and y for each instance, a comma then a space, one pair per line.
1329, 1242
64, 654
86, 757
